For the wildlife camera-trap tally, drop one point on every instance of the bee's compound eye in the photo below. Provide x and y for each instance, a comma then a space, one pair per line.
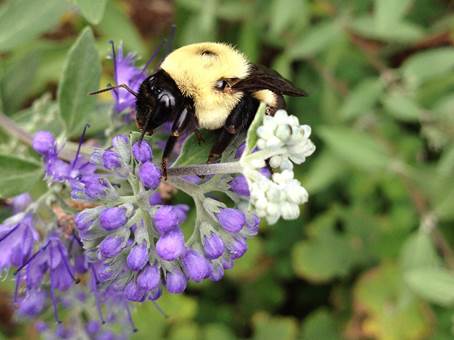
221, 84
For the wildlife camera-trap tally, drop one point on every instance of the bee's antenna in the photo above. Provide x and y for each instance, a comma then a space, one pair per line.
153, 56
114, 59
111, 88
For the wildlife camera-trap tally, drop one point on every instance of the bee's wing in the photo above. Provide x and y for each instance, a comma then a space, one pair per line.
262, 78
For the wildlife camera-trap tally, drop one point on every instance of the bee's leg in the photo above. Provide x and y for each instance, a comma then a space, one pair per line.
278, 105
179, 125
239, 119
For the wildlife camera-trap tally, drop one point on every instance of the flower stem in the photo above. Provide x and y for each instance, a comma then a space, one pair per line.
206, 169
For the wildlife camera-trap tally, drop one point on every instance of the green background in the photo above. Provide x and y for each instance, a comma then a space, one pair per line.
371, 255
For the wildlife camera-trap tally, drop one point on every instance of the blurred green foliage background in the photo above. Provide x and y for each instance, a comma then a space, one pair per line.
371, 257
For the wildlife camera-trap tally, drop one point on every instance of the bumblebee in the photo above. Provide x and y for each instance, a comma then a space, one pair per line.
210, 86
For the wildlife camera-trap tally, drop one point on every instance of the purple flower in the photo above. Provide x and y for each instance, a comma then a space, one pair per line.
239, 186
126, 73
17, 237
111, 160
85, 219
149, 175
176, 282
133, 292
237, 247
57, 169
195, 265
103, 272
142, 151
171, 245
44, 143
181, 210
111, 246
165, 219
93, 327
217, 272
112, 218
149, 278
155, 294
33, 303
21, 202
213, 246
41, 326
232, 220
137, 257
252, 225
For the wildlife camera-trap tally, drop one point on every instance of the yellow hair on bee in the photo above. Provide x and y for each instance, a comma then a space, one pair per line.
196, 68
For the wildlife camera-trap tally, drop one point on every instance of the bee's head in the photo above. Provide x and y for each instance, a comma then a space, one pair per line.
157, 101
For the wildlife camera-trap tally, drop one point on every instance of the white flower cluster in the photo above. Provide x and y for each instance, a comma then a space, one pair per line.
283, 141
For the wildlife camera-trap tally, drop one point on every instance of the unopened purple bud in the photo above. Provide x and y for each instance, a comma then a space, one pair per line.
217, 272
113, 218
149, 175
120, 141
195, 265
171, 245
227, 262
21, 202
232, 220
239, 186
85, 219
142, 151
237, 247
213, 246
137, 257
252, 225
110, 246
103, 272
149, 278
176, 282
155, 294
111, 160
44, 143
181, 210
63, 332
93, 327
155, 198
165, 219
134, 292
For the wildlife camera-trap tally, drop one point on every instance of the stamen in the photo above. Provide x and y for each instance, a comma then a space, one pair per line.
81, 140
52, 293
131, 321
160, 310
32, 258
66, 264
16, 289
114, 59
95, 292
10, 232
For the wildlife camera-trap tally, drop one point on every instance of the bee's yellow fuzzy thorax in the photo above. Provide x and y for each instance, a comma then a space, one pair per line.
196, 68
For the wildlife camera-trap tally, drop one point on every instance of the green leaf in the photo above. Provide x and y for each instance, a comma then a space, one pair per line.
388, 13
17, 81
418, 252
195, 151
402, 107
271, 328
218, 332
251, 138
433, 284
389, 310
358, 148
17, 175
320, 325
423, 66
284, 13
23, 20
117, 27
363, 98
318, 38
81, 75
92, 10
402, 32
